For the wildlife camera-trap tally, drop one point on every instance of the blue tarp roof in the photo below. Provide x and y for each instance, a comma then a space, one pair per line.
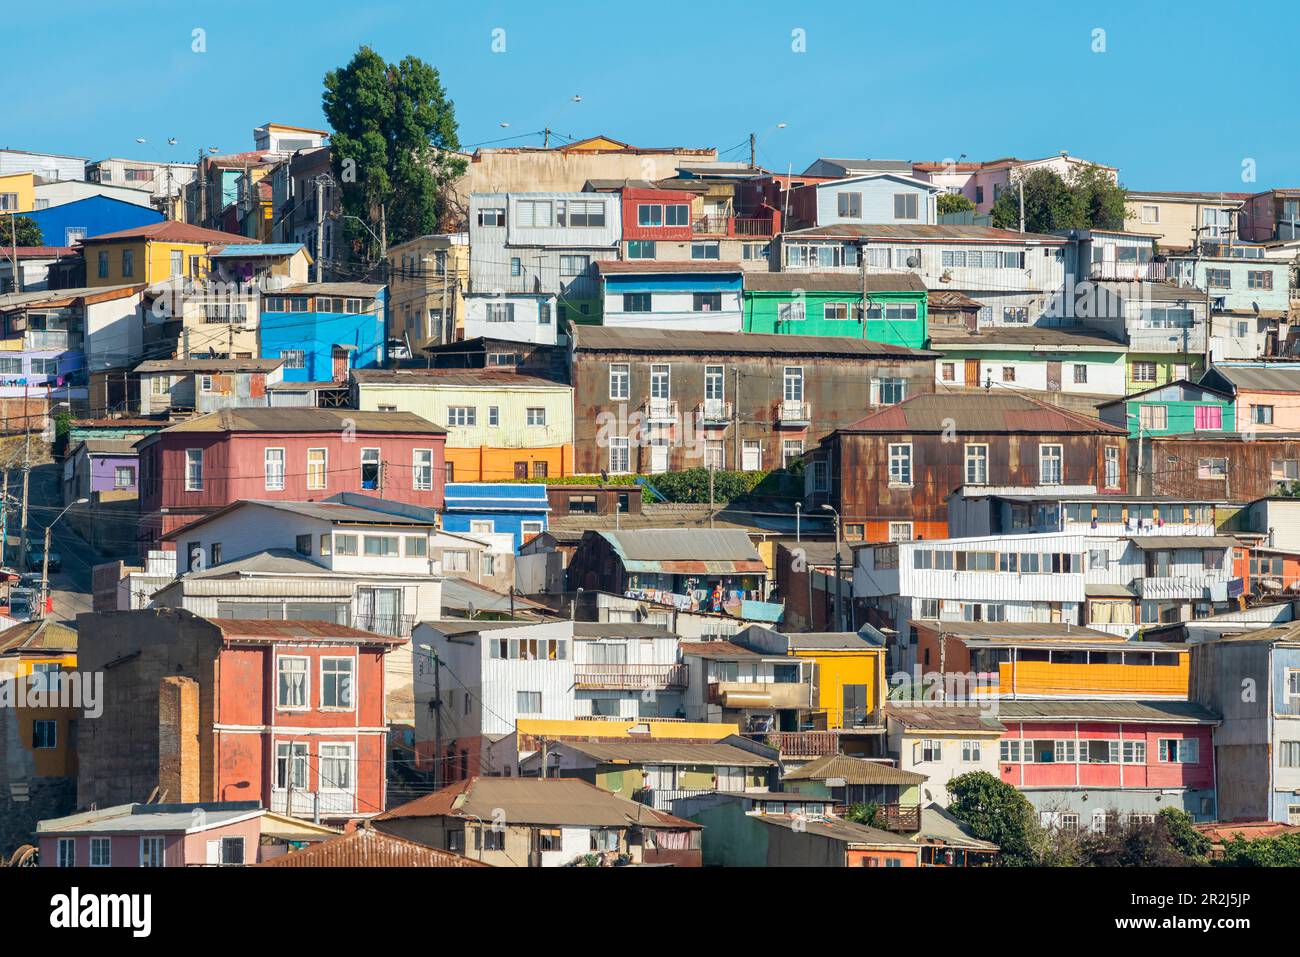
487, 496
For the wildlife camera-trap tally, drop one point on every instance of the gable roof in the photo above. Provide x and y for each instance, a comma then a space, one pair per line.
255, 419
854, 771
42, 636
1264, 377
555, 802
1176, 383
978, 412
367, 847
668, 752
169, 231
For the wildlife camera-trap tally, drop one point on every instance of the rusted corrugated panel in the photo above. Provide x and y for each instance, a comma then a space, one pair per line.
367, 847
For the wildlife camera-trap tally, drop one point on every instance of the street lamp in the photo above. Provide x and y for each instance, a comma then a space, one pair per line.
839, 584
45, 555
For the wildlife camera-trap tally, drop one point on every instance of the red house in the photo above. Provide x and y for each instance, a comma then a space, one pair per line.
286, 713
1086, 764
195, 467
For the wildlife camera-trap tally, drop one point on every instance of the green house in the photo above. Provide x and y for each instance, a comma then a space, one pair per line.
1175, 408
887, 307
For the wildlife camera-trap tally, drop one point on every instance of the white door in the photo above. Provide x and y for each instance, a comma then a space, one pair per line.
659, 456
751, 456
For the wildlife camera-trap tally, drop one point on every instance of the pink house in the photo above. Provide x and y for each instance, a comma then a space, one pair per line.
1087, 763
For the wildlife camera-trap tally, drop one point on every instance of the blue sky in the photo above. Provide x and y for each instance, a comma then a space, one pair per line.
1180, 98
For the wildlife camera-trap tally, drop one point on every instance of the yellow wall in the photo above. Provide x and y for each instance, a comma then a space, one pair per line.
411, 296
1046, 678
659, 730
1178, 221
837, 668
24, 184
482, 448
59, 761
152, 261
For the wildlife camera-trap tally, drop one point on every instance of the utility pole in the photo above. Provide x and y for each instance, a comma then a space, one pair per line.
546, 143
751, 150
4, 517
13, 248
45, 575
383, 233
201, 213
1020, 182
320, 224
27, 473
437, 723
735, 421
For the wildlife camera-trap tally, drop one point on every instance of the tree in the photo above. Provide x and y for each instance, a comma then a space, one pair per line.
1090, 200
1140, 844
997, 812
393, 142
1283, 851
954, 203
29, 234
1186, 839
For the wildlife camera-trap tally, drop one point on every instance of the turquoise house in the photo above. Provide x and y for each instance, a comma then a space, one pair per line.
891, 308
1175, 408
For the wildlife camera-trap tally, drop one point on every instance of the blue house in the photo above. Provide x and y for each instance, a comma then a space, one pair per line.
68, 223
322, 330
486, 507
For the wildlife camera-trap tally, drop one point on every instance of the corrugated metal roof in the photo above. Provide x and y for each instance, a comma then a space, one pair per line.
722, 650
611, 339
142, 818
835, 828
107, 447
833, 282
635, 267
367, 847
239, 629
979, 413
1099, 590
683, 544
669, 752
1170, 712
992, 630
919, 718
941, 336
363, 290
548, 801
253, 419
1148, 543
170, 231
243, 251
209, 365
44, 635
1262, 379
828, 640
854, 771
459, 595
471, 378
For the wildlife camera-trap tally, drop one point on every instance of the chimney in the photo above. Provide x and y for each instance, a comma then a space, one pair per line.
178, 738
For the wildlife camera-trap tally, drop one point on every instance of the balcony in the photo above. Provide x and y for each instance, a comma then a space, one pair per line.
1129, 272
739, 227
661, 799
794, 412
1176, 587
754, 694
331, 803
659, 410
804, 744
713, 412
899, 818
398, 626
629, 677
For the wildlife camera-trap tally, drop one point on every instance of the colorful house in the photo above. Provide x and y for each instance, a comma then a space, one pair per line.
17, 192
428, 278
1039, 358
323, 330
1172, 409
151, 253
849, 780
482, 508
70, 223
883, 307
697, 296
1267, 394
500, 424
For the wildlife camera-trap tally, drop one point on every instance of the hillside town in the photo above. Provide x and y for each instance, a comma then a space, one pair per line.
642, 506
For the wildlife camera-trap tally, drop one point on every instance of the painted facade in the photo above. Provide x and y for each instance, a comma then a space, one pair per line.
519, 510
669, 296
1172, 409
832, 304
323, 330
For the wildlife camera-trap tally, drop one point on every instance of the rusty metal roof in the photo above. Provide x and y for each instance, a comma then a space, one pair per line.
854, 771
635, 267
723, 650
44, 635
366, 847
979, 413
938, 718
660, 341
1158, 712
837, 829
277, 419
668, 752
1020, 337
245, 630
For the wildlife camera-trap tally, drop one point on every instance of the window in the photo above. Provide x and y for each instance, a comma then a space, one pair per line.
1210, 417
619, 380
492, 216
707, 302
101, 852
647, 215
900, 464
1218, 278
151, 852
1150, 215
1080, 374
336, 682
544, 314
970, 752
528, 702
194, 470
821, 476
345, 545
1050, 464
931, 749
705, 251
45, 735
293, 682
636, 302
1008, 373
581, 213
1259, 414
1144, 372
317, 468
67, 855
905, 206
1112, 470
336, 767
124, 476
754, 251
291, 766
889, 391
836, 311
948, 371
1259, 279
1153, 417
793, 383
620, 459
422, 469
641, 249
791, 450
1211, 469
516, 266
103, 264
128, 262
977, 464
900, 531
531, 213
1179, 751
370, 468
791, 312
500, 312
462, 415
849, 205
1288, 754
294, 358
380, 546
1015, 314
574, 265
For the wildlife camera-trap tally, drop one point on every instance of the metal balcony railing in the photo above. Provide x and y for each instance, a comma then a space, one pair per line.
1124, 271
714, 410
660, 410
399, 626
792, 411
630, 677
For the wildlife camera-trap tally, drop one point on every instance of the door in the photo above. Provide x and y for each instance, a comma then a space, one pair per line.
659, 456
751, 455
972, 372
1053, 377
521, 470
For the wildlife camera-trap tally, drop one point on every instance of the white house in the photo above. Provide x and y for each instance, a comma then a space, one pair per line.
672, 295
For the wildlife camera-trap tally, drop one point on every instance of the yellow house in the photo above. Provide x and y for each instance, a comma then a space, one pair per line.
152, 253
426, 288
1180, 220
17, 195
850, 673
500, 425
32, 654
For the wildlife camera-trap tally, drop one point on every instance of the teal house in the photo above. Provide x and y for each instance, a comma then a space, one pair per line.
1174, 408
890, 309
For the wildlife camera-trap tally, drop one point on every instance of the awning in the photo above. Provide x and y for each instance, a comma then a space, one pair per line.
1150, 543
716, 567
1108, 591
